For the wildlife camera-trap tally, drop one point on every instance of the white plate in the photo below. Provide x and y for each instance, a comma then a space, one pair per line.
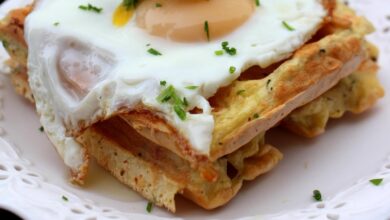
340, 164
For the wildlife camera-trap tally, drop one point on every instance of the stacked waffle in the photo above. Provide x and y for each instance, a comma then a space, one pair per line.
333, 72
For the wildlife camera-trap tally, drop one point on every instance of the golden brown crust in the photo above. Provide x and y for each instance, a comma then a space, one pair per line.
294, 83
12, 36
159, 174
356, 93
21, 86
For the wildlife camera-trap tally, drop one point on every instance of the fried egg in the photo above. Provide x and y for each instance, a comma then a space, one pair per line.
88, 59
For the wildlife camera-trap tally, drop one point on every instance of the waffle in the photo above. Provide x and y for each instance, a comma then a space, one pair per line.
331, 74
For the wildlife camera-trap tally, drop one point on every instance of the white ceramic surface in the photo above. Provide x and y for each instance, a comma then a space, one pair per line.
340, 163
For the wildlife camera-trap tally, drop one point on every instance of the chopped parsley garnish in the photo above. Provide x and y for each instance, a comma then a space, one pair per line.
192, 87
230, 50
65, 198
149, 207
257, 2
56, 23
219, 52
287, 26
163, 83
232, 69
206, 30
240, 92
158, 5
170, 96
154, 52
129, 4
317, 195
256, 115
41, 129
376, 182
90, 7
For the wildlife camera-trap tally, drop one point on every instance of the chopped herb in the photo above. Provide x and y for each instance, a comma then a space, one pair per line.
257, 2
219, 52
179, 105
322, 51
41, 129
230, 50
158, 5
65, 198
166, 94
256, 115
56, 23
232, 69
180, 112
192, 87
147, 45
185, 102
90, 7
129, 4
5, 44
317, 195
206, 29
163, 83
376, 182
154, 52
287, 26
240, 92
149, 207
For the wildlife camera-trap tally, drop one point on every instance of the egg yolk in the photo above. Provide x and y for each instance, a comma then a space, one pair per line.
189, 20
122, 15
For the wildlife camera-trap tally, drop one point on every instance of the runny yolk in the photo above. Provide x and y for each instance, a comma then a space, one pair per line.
122, 15
184, 20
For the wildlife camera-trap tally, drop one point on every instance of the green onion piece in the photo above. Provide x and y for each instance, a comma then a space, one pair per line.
65, 198
149, 207
376, 182
257, 3
180, 112
185, 102
166, 94
317, 195
91, 8
179, 105
287, 26
154, 52
163, 83
206, 29
229, 50
232, 69
192, 87
219, 52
